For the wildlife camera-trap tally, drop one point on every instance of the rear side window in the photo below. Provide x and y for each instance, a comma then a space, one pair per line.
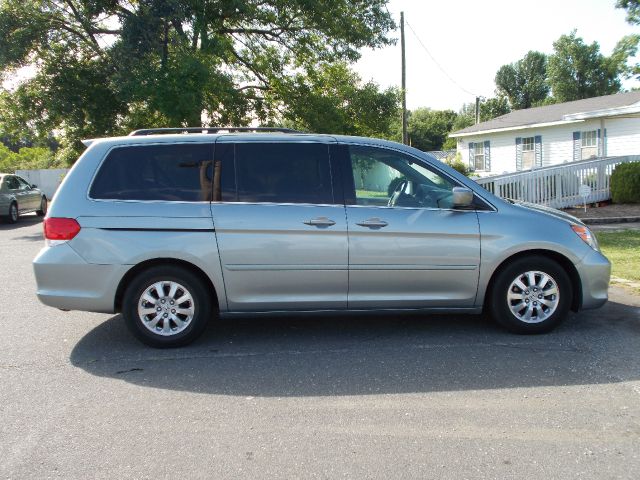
156, 172
279, 173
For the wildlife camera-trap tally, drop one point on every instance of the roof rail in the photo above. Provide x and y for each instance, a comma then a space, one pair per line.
155, 131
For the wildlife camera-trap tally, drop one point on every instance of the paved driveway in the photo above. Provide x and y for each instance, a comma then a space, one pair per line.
382, 397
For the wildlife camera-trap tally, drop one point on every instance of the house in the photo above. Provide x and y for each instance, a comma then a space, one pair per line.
553, 134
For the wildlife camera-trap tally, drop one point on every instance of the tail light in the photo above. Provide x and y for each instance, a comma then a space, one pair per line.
60, 229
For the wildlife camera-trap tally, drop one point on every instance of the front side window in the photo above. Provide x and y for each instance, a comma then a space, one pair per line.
386, 178
278, 173
180, 172
589, 144
528, 153
24, 185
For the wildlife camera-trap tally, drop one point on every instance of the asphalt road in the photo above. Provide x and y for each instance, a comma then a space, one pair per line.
383, 397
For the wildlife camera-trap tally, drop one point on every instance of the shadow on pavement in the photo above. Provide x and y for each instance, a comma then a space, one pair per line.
23, 222
362, 356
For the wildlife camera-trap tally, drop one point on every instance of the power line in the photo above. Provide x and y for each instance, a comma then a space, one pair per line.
438, 64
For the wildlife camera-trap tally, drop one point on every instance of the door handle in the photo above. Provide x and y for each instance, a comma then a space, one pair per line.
373, 223
320, 222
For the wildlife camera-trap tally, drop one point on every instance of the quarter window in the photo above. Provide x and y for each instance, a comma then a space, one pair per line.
279, 173
180, 172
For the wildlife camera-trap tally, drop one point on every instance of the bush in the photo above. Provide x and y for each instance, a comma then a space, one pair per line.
625, 183
458, 164
27, 158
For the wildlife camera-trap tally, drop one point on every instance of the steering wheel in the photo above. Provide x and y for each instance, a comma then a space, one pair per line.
393, 200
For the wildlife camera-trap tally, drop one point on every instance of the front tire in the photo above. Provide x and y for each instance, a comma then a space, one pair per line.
43, 207
166, 306
531, 295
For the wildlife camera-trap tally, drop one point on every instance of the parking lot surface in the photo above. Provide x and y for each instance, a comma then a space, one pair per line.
358, 397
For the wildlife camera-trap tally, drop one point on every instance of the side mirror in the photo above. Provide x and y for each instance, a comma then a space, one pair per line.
462, 197
34, 185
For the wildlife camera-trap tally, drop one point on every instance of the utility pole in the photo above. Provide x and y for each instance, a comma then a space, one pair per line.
405, 134
477, 110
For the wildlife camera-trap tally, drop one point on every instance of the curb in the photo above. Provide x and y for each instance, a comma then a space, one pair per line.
606, 220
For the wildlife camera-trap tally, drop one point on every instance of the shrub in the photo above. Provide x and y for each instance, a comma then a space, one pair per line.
625, 183
458, 164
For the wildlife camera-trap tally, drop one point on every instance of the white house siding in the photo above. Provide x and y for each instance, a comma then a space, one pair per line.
623, 138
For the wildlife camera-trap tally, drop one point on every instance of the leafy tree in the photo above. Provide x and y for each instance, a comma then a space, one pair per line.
428, 129
577, 70
493, 107
108, 66
25, 158
524, 82
333, 99
633, 10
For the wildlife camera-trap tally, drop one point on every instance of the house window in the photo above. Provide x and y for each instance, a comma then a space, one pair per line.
589, 144
528, 153
478, 156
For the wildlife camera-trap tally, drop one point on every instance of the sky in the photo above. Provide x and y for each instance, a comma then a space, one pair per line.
471, 40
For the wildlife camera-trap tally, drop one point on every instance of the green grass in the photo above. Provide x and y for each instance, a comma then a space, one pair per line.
623, 250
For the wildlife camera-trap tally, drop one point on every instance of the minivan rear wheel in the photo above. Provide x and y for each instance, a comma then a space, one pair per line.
531, 295
166, 306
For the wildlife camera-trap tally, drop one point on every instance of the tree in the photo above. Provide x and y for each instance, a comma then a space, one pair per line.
493, 107
633, 10
333, 99
428, 129
524, 82
107, 66
577, 70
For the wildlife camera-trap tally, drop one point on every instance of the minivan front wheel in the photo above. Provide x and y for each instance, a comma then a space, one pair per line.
166, 306
531, 295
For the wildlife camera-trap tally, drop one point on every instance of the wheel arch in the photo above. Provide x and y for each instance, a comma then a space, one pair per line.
563, 261
142, 266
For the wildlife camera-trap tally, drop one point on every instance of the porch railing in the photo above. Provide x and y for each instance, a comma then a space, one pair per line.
558, 186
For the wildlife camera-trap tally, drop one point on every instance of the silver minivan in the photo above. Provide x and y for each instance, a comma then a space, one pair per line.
174, 227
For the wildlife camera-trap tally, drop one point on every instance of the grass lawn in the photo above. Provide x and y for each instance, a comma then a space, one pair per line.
623, 250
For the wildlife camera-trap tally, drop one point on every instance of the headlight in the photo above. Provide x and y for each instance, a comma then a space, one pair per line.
585, 234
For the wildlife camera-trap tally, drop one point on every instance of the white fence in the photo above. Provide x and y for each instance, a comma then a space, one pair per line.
558, 186
47, 180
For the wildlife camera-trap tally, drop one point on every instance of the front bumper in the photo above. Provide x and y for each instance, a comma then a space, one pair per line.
66, 281
595, 272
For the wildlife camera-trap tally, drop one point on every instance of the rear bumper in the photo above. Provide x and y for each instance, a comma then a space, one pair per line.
595, 273
65, 281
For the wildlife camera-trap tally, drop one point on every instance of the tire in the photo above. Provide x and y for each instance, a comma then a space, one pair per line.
180, 324
14, 214
531, 295
43, 207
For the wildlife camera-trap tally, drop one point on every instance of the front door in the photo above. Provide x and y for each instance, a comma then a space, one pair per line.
408, 246
281, 230
31, 196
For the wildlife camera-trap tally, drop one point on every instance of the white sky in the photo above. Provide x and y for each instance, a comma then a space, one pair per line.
472, 39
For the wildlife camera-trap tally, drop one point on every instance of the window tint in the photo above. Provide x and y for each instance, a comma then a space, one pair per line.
156, 172
282, 173
12, 183
386, 178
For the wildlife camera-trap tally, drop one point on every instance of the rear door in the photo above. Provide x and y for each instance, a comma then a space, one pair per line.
408, 246
280, 227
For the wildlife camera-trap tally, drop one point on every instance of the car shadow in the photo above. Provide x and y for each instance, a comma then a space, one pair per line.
300, 356
25, 221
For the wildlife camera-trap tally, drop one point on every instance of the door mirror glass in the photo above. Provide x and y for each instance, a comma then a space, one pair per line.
462, 197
